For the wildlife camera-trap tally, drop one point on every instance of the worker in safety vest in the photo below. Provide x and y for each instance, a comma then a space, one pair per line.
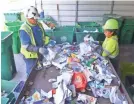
33, 39
110, 44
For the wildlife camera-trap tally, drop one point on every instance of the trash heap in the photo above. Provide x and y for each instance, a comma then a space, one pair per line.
84, 77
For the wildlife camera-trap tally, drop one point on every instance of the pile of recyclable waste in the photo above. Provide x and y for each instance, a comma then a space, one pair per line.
85, 76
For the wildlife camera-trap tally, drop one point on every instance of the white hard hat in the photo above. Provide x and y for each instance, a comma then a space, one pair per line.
87, 38
32, 12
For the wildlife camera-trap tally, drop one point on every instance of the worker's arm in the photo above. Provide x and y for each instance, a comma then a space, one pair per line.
109, 49
26, 42
98, 42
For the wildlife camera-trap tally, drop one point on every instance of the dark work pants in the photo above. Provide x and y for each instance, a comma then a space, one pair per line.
115, 63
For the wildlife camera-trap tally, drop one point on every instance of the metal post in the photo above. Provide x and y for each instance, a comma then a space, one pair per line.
41, 5
76, 16
58, 14
35, 4
112, 7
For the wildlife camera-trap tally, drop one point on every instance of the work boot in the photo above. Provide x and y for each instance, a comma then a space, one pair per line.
39, 67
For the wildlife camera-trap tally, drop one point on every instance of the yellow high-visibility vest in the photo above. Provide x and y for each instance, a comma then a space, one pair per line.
110, 47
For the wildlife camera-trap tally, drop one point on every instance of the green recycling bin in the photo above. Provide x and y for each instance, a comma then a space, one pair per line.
95, 32
12, 16
127, 34
8, 68
119, 18
8, 87
14, 27
87, 24
49, 33
129, 21
64, 34
16, 43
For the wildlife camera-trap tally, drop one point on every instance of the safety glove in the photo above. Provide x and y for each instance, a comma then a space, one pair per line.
43, 51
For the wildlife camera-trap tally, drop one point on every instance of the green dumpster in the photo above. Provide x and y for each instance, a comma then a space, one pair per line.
7, 59
129, 21
119, 18
127, 34
15, 26
8, 87
87, 24
133, 40
64, 34
95, 32
16, 43
12, 16
49, 33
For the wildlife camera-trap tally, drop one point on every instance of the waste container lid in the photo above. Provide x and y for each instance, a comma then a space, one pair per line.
12, 12
5, 35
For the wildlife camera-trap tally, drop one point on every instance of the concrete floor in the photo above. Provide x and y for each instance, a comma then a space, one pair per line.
20, 67
127, 53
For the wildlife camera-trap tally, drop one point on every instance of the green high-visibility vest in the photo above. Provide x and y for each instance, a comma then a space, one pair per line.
110, 47
26, 27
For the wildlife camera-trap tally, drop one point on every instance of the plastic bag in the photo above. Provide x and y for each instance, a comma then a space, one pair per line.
62, 92
77, 67
84, 48
86, 99
52, 54
60, 62
88, 74
72, 88
104, 92
79, 80
114, 96
43, 94
49, 57
67, 76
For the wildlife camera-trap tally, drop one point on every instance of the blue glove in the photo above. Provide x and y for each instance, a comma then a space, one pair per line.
52, 43
43, 51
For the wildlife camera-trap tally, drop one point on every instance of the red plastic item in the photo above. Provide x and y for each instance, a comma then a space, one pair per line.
53, 91
79, 80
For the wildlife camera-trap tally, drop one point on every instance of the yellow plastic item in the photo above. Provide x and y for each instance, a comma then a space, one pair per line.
73, 55
69, 60
36, 96
72, 59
